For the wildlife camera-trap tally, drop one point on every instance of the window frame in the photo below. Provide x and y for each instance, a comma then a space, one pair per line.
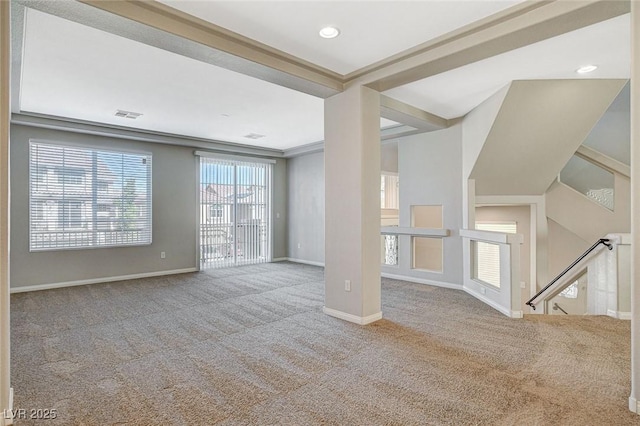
148, 161
477, 245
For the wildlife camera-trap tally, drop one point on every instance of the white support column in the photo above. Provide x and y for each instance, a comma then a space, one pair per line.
5, 113
468, 203
634, 399
352, 205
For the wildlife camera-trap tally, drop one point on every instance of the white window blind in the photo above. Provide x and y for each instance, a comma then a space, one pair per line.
235, 211
389, 191
487, 255
83, 197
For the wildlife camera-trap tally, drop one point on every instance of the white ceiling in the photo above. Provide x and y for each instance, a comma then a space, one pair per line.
370, 30
75, 71
455, 93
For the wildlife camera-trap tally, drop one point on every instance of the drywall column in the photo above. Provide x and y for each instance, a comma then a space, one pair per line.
468, 203
5, 112
352, 205
634, 399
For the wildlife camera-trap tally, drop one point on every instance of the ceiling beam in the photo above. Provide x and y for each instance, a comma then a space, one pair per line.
161, 26
392, 133
516, 27
603, 160
65, 124
165, 18
406, 114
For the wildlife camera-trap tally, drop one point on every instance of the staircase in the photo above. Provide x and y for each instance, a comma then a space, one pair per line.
596, 283
572, 157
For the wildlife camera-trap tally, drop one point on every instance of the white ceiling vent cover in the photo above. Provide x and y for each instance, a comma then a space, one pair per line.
127, 114
254, 136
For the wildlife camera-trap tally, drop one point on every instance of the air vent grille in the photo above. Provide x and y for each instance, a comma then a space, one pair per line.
254, 136
127, 114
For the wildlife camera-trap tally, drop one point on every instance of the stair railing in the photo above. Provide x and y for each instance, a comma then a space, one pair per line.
556, 307
604, 241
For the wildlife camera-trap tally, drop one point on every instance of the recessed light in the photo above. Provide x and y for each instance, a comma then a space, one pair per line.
329, 32
586, 69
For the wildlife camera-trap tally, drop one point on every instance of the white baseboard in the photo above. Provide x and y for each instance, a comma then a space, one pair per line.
633, 405
305, 262
352, 318
280, 259
421, 281
494, 304
100, 280
619, 315
517, 314
6, 417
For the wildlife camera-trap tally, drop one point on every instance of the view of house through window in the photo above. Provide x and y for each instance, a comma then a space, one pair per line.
389, 204
235, 206
85, 197
571, 292
487, 255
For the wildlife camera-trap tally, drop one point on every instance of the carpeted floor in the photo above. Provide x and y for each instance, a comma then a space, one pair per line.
251, 345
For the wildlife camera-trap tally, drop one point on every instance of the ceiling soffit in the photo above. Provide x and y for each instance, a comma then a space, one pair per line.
161, 26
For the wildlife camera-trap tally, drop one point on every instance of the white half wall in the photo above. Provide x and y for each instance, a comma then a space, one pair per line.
429, 168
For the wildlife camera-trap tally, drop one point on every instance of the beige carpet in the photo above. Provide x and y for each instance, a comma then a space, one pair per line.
251, 346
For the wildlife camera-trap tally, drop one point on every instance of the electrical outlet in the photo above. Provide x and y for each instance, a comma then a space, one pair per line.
483, 290
523, 284
299, 245
277, 215
163, 255
347, 285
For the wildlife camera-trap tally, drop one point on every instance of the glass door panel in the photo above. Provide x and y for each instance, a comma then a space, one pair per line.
235, 200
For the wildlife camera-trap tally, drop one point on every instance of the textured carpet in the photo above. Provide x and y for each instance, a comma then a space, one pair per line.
251, 345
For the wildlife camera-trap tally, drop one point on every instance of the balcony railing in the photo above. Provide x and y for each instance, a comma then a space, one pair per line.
49, 240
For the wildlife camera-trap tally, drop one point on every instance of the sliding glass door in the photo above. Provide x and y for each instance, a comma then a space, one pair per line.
235, 212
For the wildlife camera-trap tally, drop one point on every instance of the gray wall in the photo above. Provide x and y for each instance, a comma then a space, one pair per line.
306, 207
389, 157
174, 216
279, 209
611, 135
564, 248
430, 167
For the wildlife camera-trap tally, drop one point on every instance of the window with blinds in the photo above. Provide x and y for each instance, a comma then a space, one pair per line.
83, 197
487, 255
389, 191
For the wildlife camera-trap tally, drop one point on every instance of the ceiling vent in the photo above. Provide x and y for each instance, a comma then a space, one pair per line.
127, 114
254, 136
